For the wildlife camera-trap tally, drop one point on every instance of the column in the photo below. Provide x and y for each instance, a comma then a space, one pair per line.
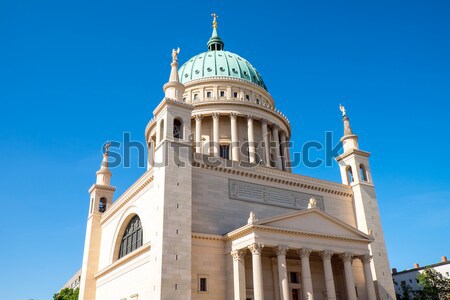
328, 270
216, 119
258, 288
276, 286
198, 133
284, 150
368, 275
282, 272
276, 139
251, 139
239, 274
307, 287
349, 281
265, 133
234, 138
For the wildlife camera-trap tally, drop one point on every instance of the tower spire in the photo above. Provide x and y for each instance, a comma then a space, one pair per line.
349, 140
174, 89
215, 43
104, 174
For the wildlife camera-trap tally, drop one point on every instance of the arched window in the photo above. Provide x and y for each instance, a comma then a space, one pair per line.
363, 172
132, 237
102, 205
177, 129
349, 174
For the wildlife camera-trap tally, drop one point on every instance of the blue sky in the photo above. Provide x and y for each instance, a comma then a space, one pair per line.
74, 74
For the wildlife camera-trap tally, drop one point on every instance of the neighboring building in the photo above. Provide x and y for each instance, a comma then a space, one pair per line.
209, 221
409, 277
73, 282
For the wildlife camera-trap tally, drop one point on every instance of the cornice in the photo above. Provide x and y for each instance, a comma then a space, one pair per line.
102, 187
132, 191
123, 260
277, 176
243, 231
352, 152
206, 236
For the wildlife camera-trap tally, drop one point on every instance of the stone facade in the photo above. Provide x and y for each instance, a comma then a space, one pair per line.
220, 213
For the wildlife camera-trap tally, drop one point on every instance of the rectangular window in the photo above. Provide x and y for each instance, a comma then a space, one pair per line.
225, 151
195, 96
294, 277
203, 285
247, 97
208, 94
235, 94
222, 93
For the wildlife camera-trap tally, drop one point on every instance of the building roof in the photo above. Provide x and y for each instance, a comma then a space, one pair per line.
219, 63
422, 268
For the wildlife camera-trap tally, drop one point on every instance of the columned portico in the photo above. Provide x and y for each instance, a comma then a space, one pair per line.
282, 272
265, 134
308, 293
198, 133
276, 140
239, 274
347, 258
235, 149
328, 272
216, 119
258, 288
371, 295
251, 139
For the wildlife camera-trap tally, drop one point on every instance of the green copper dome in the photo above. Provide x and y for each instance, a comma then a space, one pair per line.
219, 63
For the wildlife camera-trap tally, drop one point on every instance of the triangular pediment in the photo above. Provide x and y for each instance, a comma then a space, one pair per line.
313, 221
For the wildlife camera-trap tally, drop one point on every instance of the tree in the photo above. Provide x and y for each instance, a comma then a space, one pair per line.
406, 291
66, 294
434, 286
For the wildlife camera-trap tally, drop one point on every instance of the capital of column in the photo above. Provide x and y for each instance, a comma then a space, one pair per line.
255, 248
326, 254
281, 250
304, 252
249, 118
215, 115
264, 121
233, 115
198, 117
238, 254
366, 259
347, 257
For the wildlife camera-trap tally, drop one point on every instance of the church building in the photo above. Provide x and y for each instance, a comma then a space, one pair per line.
219, 215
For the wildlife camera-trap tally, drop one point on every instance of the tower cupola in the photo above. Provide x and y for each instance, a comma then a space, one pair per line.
215, 43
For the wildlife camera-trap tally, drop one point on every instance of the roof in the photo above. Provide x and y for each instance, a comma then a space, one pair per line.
219, 63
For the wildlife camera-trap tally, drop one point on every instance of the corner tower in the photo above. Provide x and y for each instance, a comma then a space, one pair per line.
168, 135
101, 194
355, 171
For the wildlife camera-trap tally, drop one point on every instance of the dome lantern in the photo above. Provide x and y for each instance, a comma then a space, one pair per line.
215, 43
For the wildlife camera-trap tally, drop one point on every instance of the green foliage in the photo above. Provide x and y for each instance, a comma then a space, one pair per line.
434, 286
406, 292
66, 294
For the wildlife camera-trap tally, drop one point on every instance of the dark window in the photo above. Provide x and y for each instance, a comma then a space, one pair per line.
247, 97
235, 94
222, 93
195, 96
363, 172
102, 205
257, 101
294, 277
225, 151
177, 132
203, 284
132, 237
208, 94
349, 174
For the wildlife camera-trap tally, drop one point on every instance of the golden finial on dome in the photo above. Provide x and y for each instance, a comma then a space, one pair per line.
215, 16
